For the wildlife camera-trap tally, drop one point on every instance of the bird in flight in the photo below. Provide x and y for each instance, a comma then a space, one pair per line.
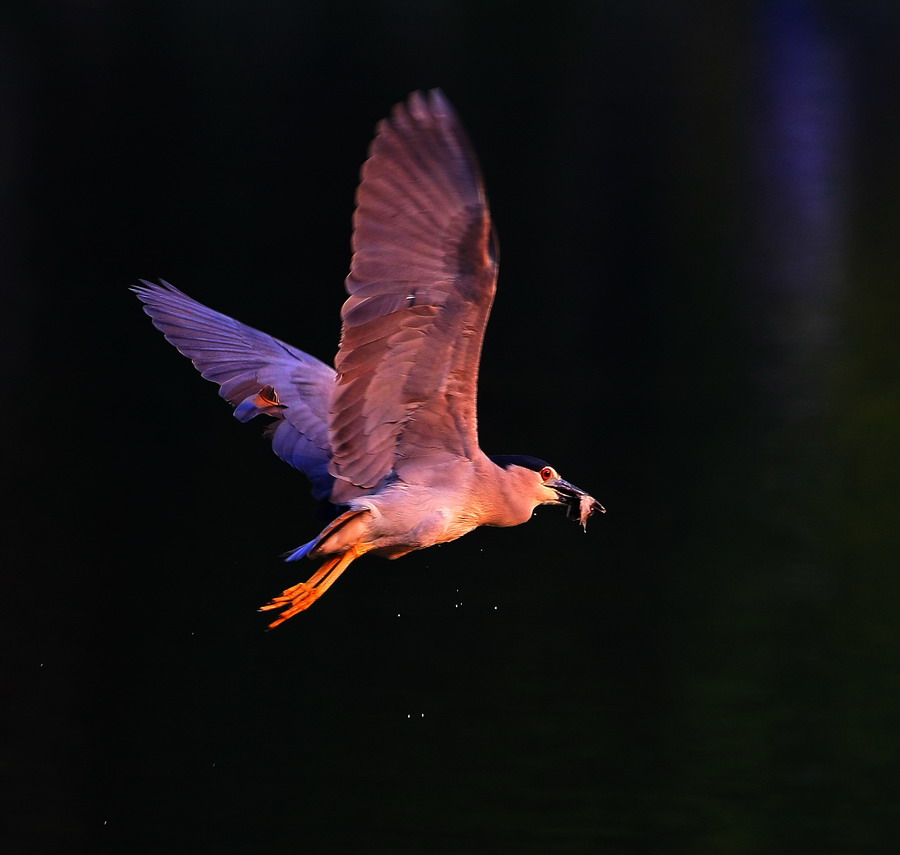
388, 437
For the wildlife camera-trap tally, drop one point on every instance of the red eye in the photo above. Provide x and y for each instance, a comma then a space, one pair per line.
546, 473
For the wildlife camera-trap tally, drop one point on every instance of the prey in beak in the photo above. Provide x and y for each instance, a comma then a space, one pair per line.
579, 504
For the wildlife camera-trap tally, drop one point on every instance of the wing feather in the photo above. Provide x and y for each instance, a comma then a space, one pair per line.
245, 362
421, 285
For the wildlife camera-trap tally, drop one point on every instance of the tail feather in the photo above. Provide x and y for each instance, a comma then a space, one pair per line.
301, 551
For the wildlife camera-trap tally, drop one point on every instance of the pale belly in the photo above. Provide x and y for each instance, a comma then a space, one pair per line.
414, 528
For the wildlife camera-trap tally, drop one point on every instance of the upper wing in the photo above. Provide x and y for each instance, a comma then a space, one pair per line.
421, 285
257, 374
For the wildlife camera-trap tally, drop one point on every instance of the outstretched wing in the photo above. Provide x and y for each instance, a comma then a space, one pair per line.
257, 373
421, 285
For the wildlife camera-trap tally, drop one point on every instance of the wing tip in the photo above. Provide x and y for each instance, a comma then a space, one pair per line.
439, 101
147, 289
424, 114
428, 104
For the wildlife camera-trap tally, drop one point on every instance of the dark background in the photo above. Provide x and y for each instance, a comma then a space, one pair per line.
697, 321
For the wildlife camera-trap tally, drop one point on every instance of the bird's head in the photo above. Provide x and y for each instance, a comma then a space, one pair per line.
541, 483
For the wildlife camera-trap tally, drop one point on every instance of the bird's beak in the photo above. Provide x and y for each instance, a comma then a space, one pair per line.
580, 504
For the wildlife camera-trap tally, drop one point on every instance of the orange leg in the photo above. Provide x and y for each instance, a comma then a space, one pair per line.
300, 597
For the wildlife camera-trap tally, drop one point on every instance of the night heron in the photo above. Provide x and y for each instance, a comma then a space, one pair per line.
389, 436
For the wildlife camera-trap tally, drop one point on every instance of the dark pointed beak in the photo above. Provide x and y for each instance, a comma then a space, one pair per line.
580, 505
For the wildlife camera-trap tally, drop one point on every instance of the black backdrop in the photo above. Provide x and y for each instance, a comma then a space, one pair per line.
697, 208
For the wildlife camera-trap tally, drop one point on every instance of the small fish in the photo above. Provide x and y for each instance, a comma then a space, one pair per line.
582, 511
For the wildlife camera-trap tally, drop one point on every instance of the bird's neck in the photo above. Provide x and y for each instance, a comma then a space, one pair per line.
507, 501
